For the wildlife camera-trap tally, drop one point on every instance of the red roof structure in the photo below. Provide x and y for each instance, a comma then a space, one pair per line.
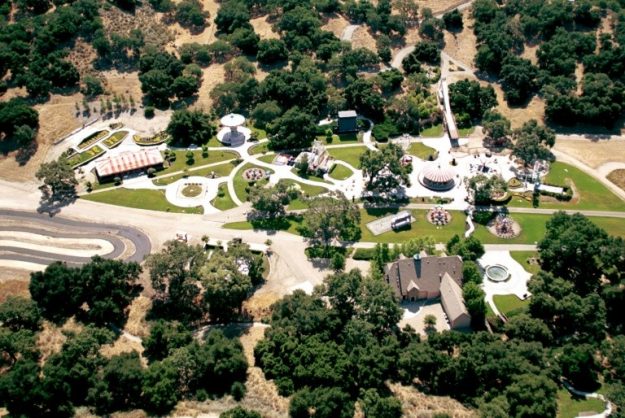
128, 161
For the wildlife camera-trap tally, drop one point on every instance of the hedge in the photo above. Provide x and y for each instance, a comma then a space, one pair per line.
365, 254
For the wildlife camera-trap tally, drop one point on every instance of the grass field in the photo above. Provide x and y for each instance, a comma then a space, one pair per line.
221, 170
308, 176
591, 193
419, 228
213, 157
224, 202
506, 304
434, 131
139, 199
570, 407
351, 155
422, 151
306, 189
522, 257
288, 224
348, 138
340, 172
267, 158
466, 131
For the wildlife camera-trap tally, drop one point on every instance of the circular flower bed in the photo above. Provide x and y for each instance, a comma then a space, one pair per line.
191, 190
254, 174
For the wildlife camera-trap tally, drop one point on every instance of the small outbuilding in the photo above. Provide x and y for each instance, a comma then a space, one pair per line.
348, 121
128, 162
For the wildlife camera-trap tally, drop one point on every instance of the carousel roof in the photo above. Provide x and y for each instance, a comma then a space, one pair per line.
437, 174
232, 119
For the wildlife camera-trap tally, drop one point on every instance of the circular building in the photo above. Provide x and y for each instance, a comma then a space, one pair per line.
437, 178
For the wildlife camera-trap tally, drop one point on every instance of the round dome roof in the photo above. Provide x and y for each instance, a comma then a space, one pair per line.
438, 174
232, 119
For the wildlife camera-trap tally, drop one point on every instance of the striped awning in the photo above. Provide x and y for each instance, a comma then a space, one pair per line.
128, 161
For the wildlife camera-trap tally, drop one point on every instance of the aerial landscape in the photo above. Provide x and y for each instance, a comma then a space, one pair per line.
312, 208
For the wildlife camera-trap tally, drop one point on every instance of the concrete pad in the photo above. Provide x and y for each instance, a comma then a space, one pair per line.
414, 314
380, 226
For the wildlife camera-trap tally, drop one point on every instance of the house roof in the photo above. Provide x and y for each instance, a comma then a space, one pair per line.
423, 273
347, 114
128, 161
451, 297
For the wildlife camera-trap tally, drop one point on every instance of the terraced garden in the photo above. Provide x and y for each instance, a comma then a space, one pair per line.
92, 139
84, 157
115, 139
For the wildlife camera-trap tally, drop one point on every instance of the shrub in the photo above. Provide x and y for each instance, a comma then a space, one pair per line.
148, 112
483, 217
365, 254
117, 180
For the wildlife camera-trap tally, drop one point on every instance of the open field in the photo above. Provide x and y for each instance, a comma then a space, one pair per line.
140, 199
351, 155
593, 153
462, 46
571, 407
336, 24
263, 28
362, 38
535, 109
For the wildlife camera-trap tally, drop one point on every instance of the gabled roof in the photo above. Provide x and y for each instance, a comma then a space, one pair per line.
128, 161
451, 297
425, 272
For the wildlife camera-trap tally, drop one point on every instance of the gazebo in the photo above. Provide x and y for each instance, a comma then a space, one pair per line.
233, 132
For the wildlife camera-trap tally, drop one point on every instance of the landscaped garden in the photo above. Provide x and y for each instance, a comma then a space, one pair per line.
241, 185
422, 151
351, 155
288, 224
306, 189
92, 139
84, 157
181, 161
139, 199
434, 131
115, 139
191, 190
261, 148
223, 201
219, 170
590, 193
524, 257
159, 138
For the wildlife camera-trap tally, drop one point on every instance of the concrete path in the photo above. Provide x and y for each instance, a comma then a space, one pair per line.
608, 405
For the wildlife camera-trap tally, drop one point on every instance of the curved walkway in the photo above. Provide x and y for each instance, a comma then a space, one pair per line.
77, 232
608, 405
348, 32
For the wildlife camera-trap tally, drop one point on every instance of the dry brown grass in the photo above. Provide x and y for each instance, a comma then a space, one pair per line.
207, 36
211, 76
136, 324
529, 53
118, 83
122, 345
13, 282
418, 405
50, 340
439, 6
82, 56
155, 32
535, 109
258, 306
617, 177
336, 25
263, 28
593, 154
362, 38
462, 46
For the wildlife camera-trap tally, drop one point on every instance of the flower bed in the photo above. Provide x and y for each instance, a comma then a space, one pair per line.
115, 139
157, 139
92, 139
82, 158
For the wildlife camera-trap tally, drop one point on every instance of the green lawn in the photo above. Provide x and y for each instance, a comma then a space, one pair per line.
311, 177
434, 131
591, 193
224, 202
340, 172
140, 199
570, 407
267, 158
351, 155
288, 224
419, 228
261, 148
522, 257
221, 170
342, 138
507, 304
306, 189
466, 131
213, 157
422, 151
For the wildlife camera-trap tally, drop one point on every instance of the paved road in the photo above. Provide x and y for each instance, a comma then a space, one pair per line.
72, 229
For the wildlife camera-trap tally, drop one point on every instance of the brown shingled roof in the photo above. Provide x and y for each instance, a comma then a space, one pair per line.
425, 272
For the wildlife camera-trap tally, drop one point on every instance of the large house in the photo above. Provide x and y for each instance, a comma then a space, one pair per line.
431, 277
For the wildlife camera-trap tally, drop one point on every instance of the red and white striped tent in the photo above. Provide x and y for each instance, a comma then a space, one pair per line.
128, 161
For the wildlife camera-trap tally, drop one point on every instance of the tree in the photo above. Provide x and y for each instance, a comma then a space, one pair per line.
189, 14
383, 170
92, 86
572, 248
326, 403
338, 262
52, 288
271, 51
331, 217
166, 336
239, 412
496, 128
416, 245
59, 181
270, 202
225, 287
518, 79
246, 40
185, 86
430, 323
580, 367
231, 16
526, 328
469, 249
161, 389
295, 129
486, 189
471, 272
425, 52
190, 127
532, 396
18, 313
532, 142
266, 112
469, 100
453, 21
374, 405
476, 305
362, 96
119, 384
16, 113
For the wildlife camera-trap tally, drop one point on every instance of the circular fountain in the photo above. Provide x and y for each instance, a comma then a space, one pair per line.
497, 273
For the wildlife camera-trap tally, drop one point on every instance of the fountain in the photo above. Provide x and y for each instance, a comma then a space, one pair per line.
497, 273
